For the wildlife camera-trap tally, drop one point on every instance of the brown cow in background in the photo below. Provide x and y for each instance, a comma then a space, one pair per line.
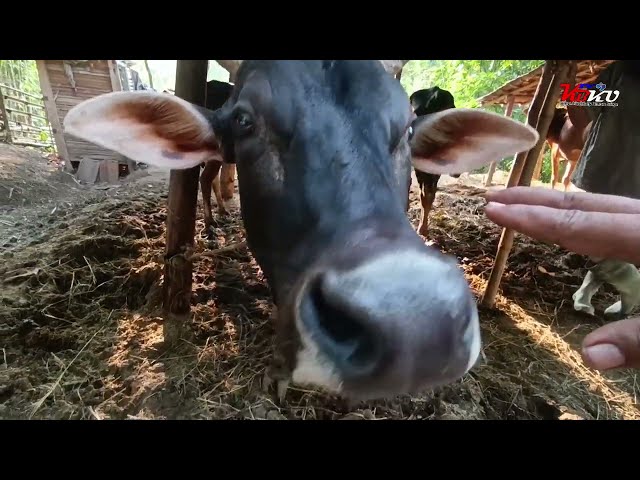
567, 134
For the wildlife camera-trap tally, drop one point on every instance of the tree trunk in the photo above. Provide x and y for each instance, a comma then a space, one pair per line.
191, 78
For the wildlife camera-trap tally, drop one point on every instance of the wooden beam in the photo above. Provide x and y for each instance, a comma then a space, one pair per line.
539, 116
517, 100
232, 66
538, 170
114, 73
52, 114
5, 119
191, 81
20, 91
492, 168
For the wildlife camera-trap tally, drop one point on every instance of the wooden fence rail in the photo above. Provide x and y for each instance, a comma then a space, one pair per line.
23, 119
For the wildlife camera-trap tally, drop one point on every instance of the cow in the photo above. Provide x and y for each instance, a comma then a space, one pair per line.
215, 174
212, 177
425, 102
365, 309
566, 136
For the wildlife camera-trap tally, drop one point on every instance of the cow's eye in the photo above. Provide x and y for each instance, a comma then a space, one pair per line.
243, 122
243, 119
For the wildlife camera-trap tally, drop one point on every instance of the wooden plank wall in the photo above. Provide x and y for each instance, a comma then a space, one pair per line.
90, 79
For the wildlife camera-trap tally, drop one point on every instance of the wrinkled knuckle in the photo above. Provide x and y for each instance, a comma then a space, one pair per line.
569, 222
569, 201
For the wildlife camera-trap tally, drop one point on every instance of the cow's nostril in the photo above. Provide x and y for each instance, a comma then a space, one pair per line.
343, 330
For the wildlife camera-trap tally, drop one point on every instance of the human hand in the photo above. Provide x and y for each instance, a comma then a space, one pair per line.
605, 226
615, 345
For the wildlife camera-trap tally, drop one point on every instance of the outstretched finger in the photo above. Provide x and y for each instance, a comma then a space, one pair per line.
588, 202
615, 345
607, 235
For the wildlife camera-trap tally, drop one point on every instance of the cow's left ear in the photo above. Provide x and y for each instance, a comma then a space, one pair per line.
460, 140
153, 128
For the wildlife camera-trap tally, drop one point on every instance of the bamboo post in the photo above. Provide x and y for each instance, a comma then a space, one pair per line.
191, 80
542, 107
538, 170
5, 118
546, 115
571, 77
532, 118
508, 112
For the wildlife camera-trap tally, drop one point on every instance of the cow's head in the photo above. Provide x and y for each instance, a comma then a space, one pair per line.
431, 100
365, 308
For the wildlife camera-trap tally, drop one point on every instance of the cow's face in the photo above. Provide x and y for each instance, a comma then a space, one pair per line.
323, 158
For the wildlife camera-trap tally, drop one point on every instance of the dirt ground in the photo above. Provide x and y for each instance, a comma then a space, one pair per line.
81, 330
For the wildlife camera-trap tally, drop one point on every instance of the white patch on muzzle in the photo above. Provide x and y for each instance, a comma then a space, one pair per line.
312, 368
406, 280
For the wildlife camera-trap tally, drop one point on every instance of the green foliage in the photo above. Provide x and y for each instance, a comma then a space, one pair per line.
467, 80
20, 74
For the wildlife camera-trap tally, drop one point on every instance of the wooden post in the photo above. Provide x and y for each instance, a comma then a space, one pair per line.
538, 170
508, 112
52, 114
532, 118
542, 106
191, 81
5, 117
561, 75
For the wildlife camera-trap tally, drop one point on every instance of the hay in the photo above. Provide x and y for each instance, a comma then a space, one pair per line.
82, 329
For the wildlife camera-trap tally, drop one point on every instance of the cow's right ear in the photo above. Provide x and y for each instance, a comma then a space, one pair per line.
149, 127
460, 140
